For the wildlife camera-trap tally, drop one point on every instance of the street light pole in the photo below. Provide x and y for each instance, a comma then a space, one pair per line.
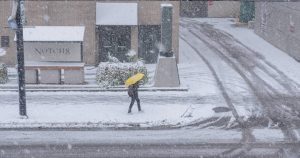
20, 58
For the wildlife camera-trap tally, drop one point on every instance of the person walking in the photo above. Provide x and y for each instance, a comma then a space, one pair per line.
133, 93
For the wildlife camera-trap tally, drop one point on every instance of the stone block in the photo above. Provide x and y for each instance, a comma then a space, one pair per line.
166, 73
31, 76
50, 76
251, 24
74, 76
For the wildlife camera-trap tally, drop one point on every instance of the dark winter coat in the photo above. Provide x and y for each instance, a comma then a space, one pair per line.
133, 93
133, 90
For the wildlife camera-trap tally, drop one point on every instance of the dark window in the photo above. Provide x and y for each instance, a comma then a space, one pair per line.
149, 39
4, 41
115, 41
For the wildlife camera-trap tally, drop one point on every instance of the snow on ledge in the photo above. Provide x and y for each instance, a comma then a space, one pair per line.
166, 5
53, 33
116, 14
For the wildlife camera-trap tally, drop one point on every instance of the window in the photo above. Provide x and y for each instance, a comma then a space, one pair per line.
4, 41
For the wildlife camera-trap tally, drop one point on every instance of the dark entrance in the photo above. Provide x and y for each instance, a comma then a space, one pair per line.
193, 8
149, 39
114, 41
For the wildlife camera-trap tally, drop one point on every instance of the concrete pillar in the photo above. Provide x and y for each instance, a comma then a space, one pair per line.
166, 73
166, 29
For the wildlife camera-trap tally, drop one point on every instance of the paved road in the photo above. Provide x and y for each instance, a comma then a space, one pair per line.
137, 150
156, 143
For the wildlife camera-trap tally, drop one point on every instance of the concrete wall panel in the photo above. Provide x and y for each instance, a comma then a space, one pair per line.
279, 24
224, 9
193, 9
11, 56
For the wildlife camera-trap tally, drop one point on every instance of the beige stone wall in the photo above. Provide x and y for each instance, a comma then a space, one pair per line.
279, 24
81, 13
66, 13
224, 9
5, 11
150, 14
53, 13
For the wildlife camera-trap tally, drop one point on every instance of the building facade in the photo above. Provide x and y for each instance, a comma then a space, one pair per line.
279, 24
109, 30
209, 8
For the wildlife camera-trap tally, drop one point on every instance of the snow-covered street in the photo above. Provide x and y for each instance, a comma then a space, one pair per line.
247, 72
144, 143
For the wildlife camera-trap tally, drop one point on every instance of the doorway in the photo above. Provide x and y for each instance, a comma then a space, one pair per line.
114, 41
149, 39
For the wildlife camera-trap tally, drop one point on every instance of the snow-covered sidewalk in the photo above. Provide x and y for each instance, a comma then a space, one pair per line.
98, 110
90, 84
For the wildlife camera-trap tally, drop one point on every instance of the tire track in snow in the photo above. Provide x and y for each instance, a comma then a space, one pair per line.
262, 97
281, 79
290, 87
218, 81
246, 130
274, 68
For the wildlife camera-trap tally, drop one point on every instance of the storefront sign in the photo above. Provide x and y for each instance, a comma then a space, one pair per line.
52, 51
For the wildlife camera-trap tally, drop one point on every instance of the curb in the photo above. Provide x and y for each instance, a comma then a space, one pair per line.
135, 127
89, 89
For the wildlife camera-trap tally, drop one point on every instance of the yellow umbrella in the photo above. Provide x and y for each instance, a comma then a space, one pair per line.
133, 79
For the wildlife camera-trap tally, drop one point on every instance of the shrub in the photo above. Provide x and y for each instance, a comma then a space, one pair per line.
3, 74
115, 74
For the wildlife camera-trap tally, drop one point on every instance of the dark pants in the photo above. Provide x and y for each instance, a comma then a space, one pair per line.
133, 99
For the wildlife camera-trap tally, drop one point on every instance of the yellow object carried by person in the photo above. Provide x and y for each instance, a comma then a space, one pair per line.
134, 79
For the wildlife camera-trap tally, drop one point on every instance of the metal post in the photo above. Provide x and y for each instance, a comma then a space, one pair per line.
20, 58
